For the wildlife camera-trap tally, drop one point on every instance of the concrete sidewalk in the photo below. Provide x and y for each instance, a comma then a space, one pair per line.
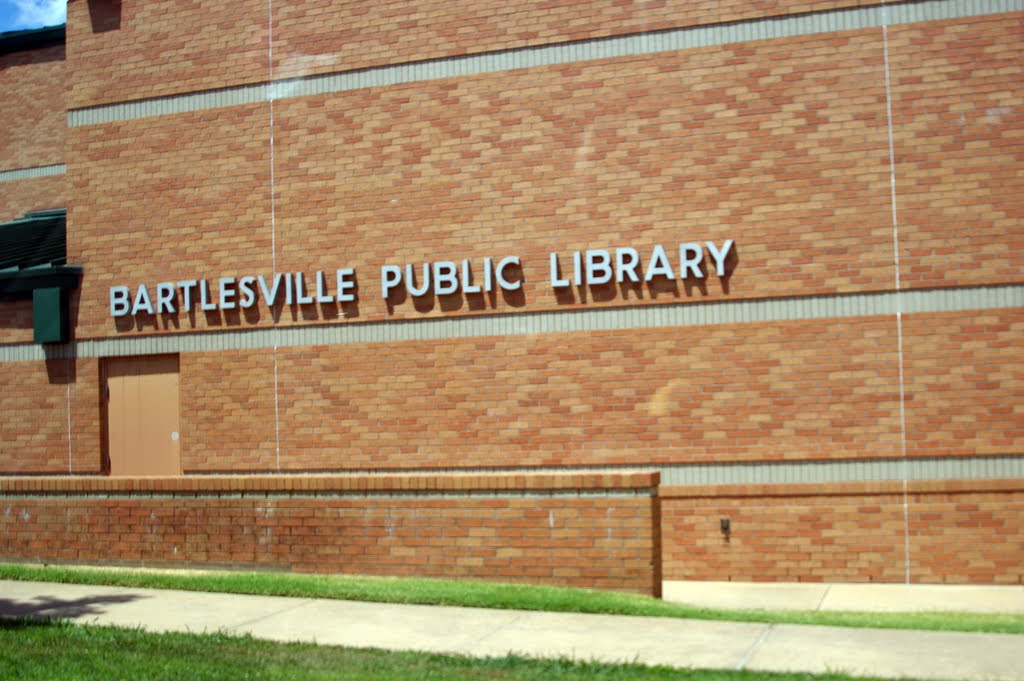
471, 631
860, 597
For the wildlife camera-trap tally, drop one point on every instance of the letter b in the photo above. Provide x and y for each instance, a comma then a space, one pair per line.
120, 301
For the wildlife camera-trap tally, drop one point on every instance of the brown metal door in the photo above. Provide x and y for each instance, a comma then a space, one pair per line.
142, 415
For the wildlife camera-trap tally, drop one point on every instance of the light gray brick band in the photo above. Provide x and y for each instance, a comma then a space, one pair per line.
569, 321
30, 173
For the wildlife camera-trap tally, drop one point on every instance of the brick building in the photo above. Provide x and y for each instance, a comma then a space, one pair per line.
591, 293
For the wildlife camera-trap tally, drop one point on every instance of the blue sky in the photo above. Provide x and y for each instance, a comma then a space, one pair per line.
19, 14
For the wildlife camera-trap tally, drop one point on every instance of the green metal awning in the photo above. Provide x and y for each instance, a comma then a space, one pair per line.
33, 255
33, 265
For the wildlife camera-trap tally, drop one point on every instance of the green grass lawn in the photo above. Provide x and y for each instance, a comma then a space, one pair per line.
502, 596
54, 651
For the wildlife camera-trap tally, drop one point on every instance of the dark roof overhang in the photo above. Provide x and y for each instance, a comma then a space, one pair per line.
32, 39
19, 284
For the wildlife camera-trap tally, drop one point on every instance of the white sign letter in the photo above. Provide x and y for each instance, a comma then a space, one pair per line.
626, 260
270, 294
344, 277
227, 293
119, 304
658, 265
186, 293
142, 301
467, 280
690, 256
204, 297
555, 281
390, 277
498, 274
321, 290
165, 298
599, 267
719, 256
410, 280
446, 278
300, 285
248, 295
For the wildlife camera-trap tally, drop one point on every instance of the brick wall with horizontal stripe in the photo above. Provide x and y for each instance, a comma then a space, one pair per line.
585, 530
959, 532
18, 197
781, 145
16, 321
221, 45
33, 117
50, 417
958, 109
806, 390
547, 160
814, 390
34, 124
794, 391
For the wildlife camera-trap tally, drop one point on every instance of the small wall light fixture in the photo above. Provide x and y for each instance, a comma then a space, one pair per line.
725, 525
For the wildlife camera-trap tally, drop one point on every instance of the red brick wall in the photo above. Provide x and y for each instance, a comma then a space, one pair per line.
228, 415
191, 193
958, 109
306, 35
806, 390
964, 383
965, 532
787, 154
524, 163
961, 532
781, 145
811, 390
214, 44
15, 321
33, 118
37, 399
606, 542
621, 152
19, 197
797, 390
120, 51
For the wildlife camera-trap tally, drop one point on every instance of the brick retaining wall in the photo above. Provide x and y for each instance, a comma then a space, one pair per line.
590, 530
960, 532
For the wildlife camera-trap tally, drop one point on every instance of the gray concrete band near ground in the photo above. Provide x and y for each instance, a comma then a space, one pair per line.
648, 640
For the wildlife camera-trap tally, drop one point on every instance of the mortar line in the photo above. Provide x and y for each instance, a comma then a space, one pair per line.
824, 595
898, 284
271, 96
273, 215
67, 378
277, 417
468, 648
261, 618
754, 648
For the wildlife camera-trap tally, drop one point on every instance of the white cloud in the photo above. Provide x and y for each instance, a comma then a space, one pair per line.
36, 13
